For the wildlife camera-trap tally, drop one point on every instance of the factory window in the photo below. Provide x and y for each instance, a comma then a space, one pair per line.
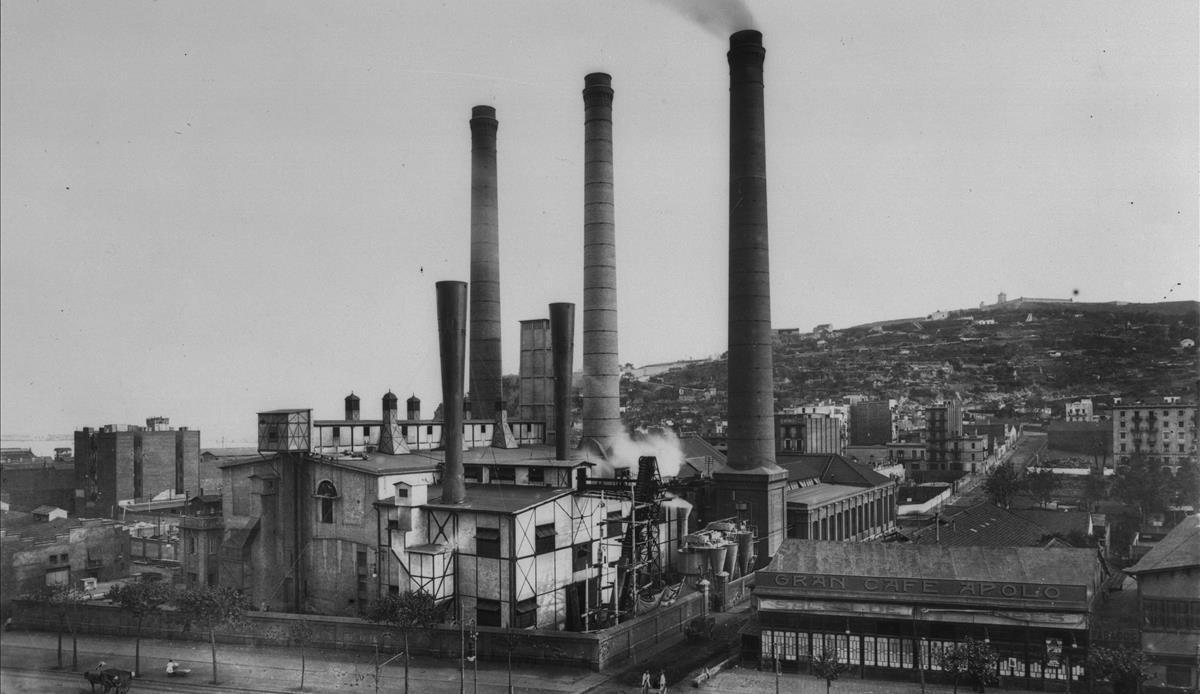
472, 473
337, 432
429, 430
537, 475
504, 474
614, 523
487, 543
483, 428
487, 613
544, 538
191, 544
525, 614
366, 431
326, 492
583, 557
404, 430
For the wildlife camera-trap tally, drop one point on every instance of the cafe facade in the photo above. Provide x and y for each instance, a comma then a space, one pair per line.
886, 609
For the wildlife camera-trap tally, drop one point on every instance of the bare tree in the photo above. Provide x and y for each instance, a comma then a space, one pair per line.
212, 607
142, 599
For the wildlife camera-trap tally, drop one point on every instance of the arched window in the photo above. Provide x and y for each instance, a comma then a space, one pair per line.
326, 492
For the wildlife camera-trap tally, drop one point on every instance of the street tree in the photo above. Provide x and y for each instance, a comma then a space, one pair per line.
64, 602
1143, 485
1002, 484
142, 599
1041, 485
212, 607
1125, 668
953, 661
405, 611
828, 667
298, 633
981, 663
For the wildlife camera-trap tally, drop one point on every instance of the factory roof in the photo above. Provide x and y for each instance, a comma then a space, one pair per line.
384, 463
494, 498
830, 468
1058, 565
1178, 550
820, 494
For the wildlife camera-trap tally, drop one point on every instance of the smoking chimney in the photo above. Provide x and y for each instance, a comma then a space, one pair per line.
601, 375
751, 435
562, 328
752, 484
452, 339
486, 383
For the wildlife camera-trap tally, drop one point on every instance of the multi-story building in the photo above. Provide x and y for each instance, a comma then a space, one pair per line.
1169, 603
943, 428
872, 423
1079, 411
810, 432
1162, 433
126, 462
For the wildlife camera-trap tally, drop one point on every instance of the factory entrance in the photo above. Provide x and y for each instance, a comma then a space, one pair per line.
584, 610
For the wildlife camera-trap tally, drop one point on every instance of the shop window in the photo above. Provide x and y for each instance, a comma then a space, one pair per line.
544, 540
487, 613
487, 543
1178, 676
525, 614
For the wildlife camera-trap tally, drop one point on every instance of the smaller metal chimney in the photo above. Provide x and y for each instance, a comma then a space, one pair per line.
351, 408
452, 340
391, 436
562, 337
414, 409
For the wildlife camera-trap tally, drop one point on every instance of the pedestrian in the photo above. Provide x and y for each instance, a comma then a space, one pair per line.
645, 682
662, 682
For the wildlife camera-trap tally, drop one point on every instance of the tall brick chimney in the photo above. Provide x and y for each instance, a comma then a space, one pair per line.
751, 484
601, 370
486, 377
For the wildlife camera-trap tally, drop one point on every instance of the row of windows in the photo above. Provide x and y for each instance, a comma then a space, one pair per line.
888, 651
1171, 614
487, 541
1166, 448
487, 613
1165, 413
1166, 436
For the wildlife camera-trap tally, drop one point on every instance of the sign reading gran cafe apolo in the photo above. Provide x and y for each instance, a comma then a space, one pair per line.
885, 608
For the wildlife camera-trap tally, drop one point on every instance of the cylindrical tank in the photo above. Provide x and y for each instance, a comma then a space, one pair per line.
731, 558
745, 541
690, 562
716, 557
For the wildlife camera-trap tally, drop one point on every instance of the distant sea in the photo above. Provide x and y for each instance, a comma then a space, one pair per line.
45, 445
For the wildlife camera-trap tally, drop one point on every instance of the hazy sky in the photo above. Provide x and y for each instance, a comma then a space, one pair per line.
211, 209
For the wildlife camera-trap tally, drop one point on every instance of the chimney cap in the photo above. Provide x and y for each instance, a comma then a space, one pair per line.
483, 111
745, 37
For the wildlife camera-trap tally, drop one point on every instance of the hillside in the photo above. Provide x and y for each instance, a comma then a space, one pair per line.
1018, 357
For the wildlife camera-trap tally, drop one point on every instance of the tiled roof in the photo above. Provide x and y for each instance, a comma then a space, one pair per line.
981, 525
1179, 549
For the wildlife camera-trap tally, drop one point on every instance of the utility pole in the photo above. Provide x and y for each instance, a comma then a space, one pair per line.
462, 650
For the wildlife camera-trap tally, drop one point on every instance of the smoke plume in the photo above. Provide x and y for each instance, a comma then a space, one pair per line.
662, 444
719, 17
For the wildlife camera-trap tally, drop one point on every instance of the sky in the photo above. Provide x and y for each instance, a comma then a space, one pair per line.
212, 209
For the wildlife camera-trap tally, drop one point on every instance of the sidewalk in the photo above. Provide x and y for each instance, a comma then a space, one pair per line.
277, 670
750, 681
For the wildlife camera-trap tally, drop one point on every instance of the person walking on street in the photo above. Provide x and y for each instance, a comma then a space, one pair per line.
645, 682
662, 682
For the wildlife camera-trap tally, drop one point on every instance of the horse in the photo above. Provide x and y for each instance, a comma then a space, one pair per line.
110, 680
